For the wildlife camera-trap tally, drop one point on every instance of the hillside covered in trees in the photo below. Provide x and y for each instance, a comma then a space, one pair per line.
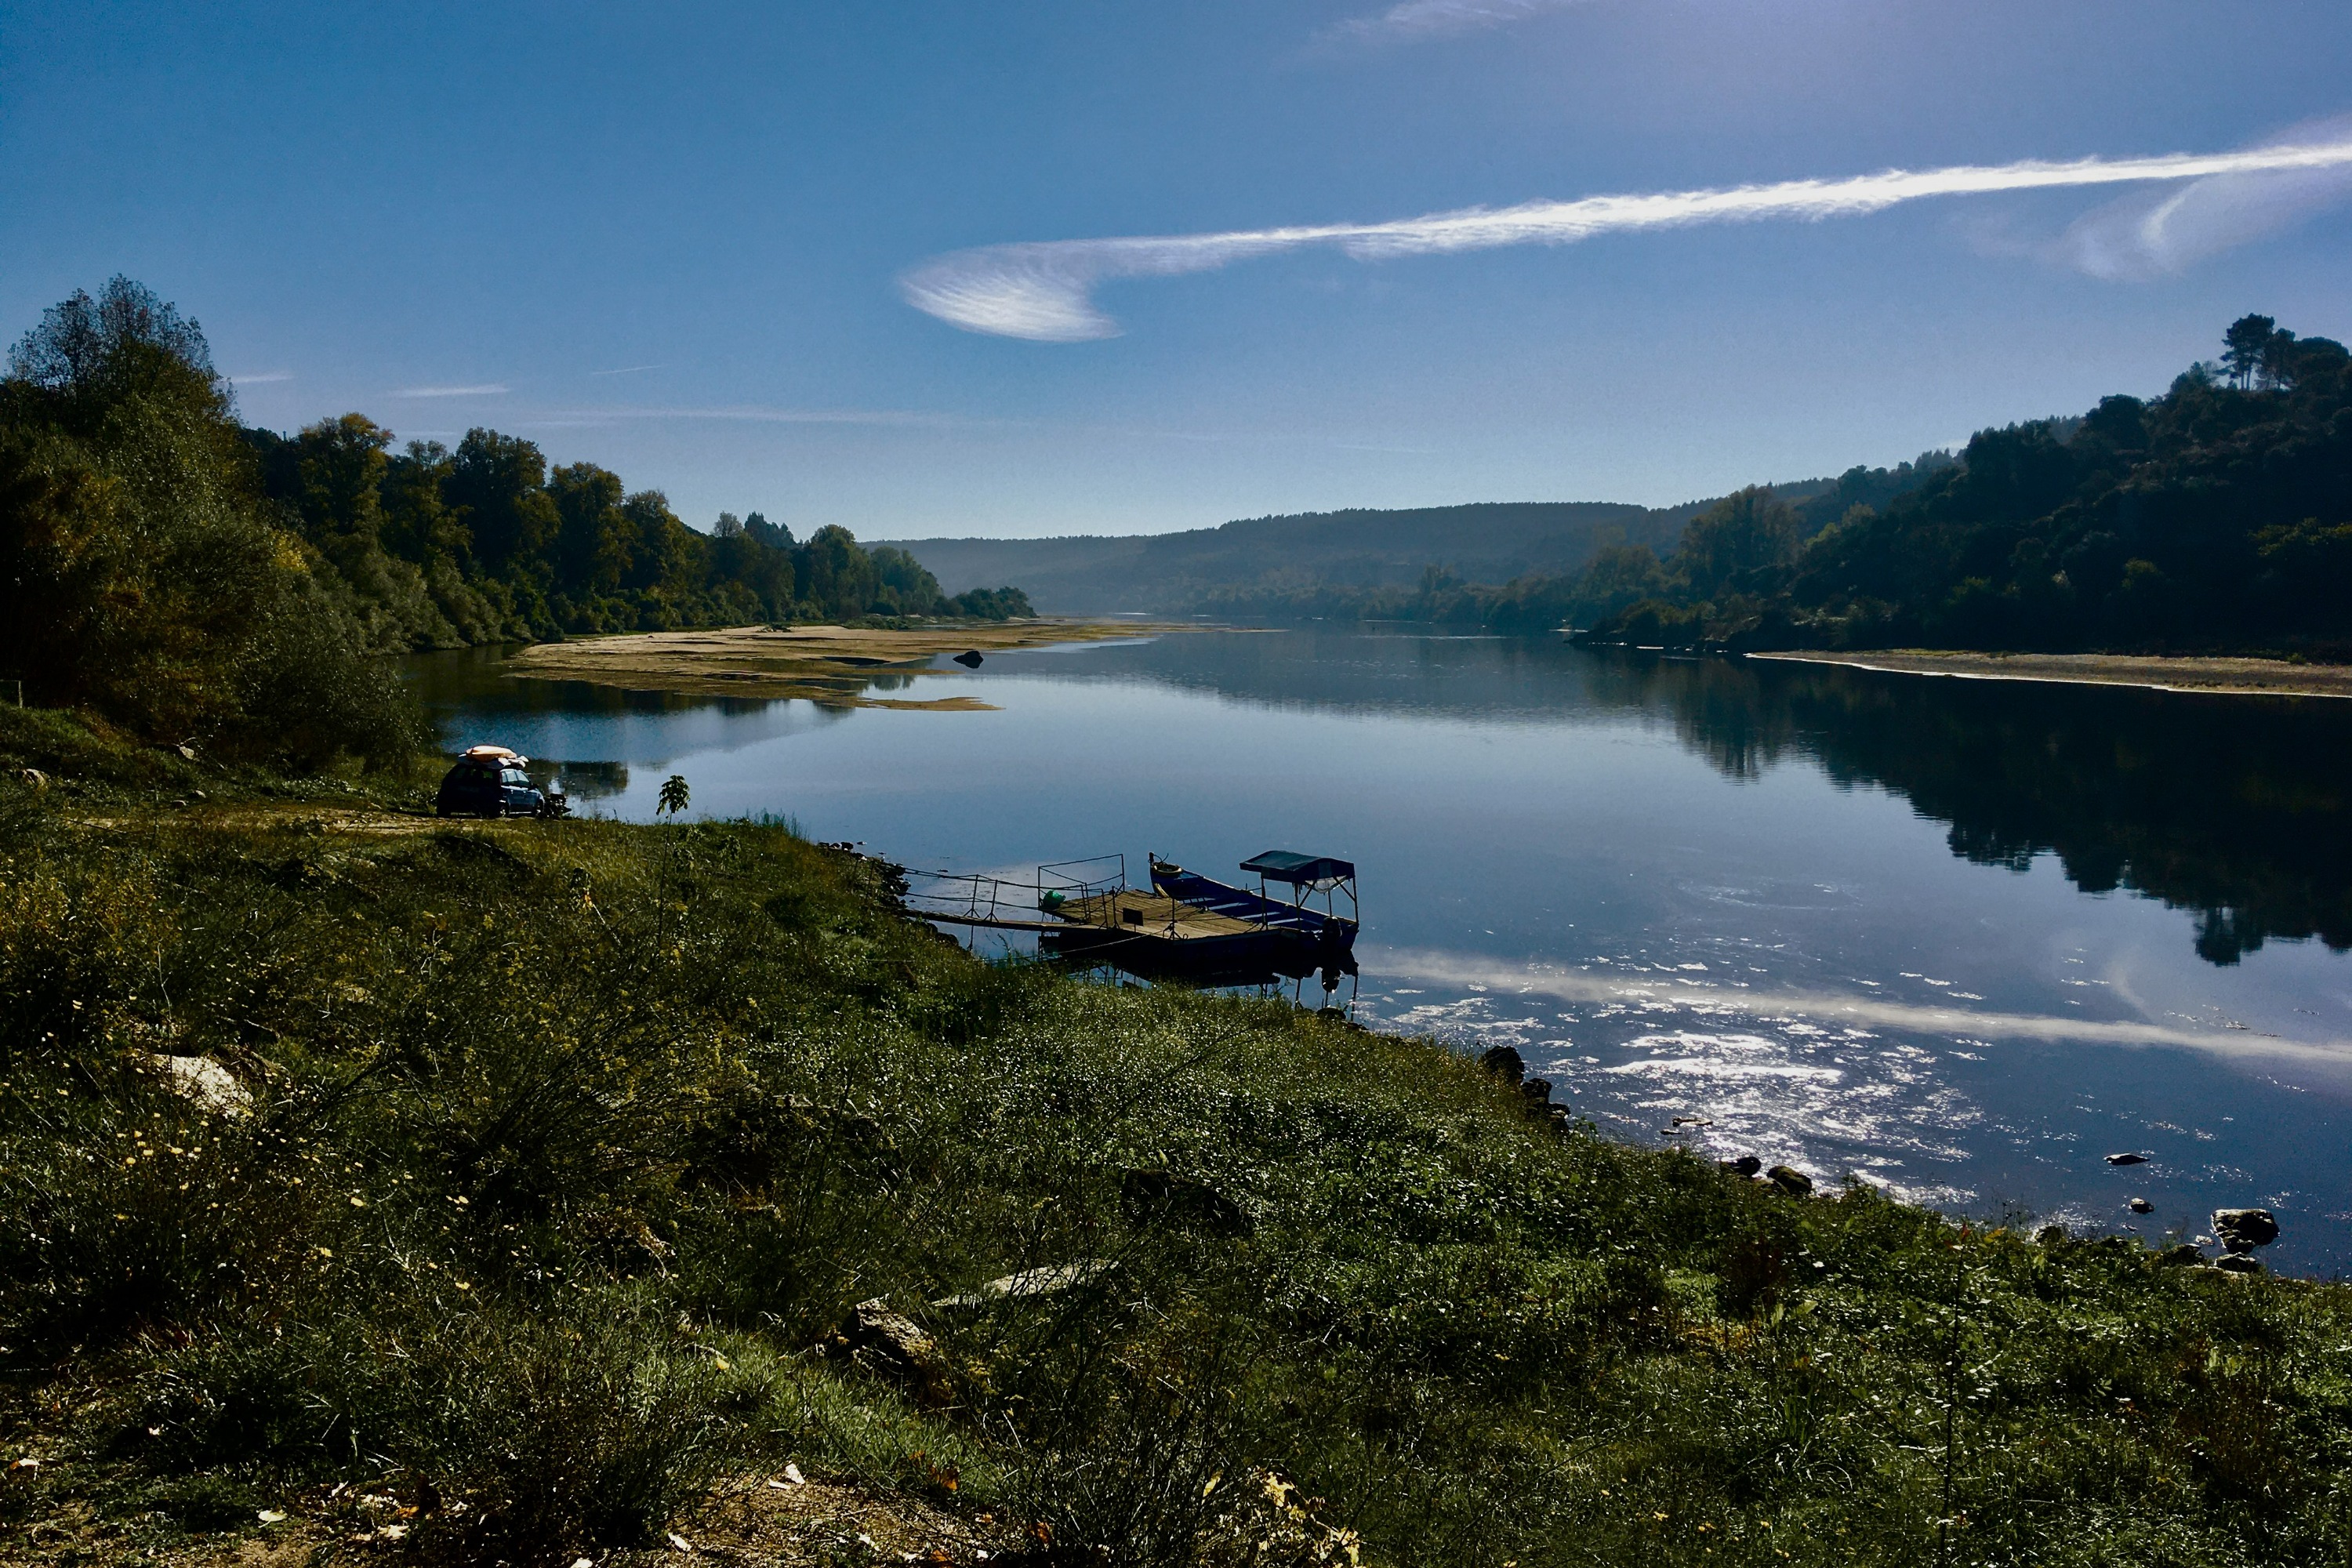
1284, 565
196, 568
2215, 517
2218, 516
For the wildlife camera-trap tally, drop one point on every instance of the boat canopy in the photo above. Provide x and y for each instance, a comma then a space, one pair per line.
1302, 870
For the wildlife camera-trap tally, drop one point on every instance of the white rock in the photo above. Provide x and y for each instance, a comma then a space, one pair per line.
205, 1083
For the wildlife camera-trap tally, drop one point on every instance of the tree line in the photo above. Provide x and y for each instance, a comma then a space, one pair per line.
431, 547
206, 584
2217, 517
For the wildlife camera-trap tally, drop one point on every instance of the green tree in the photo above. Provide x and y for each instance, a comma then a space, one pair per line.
143, 574
497, 484
1735, 540
596, 543
2248, 351
834, 577
902, 586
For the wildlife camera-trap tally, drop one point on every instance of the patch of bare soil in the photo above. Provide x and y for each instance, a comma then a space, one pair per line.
839, 666
299, 817
754, 1522
2246, 676
776, 1523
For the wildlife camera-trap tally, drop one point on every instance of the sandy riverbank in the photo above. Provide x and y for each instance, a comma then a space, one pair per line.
2245, 677
840, 665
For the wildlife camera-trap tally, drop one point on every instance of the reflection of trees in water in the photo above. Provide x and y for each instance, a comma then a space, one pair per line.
592, 781
2232, 806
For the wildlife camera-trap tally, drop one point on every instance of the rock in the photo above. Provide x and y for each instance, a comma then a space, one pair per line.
1505, 1063
203, 1083
2127, 1159
2180, 1255
2052, 1236
969, 659
1794, 1183
2242, 1230
1050, 1280
1538, 1089
1163, 1196
1745, 1165
2237, 1263
890, 1345
2140, 1206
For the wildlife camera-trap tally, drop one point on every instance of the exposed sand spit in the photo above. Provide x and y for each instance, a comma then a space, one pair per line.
838, 666
2249, 676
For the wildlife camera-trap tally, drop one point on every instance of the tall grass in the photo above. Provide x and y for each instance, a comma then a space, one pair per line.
570, 1142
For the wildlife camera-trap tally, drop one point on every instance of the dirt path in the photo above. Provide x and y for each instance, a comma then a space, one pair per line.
2245, 677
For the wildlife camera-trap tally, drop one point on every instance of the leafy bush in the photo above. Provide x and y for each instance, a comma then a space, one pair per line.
139, 575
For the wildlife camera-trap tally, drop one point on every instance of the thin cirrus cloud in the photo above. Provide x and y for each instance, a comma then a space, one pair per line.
2157, 233
485, 389
261, 378
757, 414
1044, 291
1416, 19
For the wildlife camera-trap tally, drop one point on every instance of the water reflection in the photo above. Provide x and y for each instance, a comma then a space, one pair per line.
1914, 928
2233, 808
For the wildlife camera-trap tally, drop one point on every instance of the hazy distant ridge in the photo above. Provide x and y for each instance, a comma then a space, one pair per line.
1358, 547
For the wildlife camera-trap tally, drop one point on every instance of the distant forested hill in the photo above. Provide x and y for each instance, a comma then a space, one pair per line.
1278, 563
1444, 563
2217, 517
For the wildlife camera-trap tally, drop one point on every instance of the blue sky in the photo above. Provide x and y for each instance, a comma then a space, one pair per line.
672, 239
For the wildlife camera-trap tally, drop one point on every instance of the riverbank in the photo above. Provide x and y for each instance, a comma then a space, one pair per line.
2244, 676
839, 666
530, 1190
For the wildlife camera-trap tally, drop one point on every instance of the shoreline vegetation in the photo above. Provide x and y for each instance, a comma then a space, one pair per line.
2180, 672
422, 1192
377, 1188
835, 665
2209, 520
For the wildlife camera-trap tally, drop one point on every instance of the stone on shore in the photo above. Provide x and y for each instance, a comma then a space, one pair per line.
1505, 1063
2242, 1230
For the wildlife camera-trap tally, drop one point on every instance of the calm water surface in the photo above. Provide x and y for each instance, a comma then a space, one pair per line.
1960, 939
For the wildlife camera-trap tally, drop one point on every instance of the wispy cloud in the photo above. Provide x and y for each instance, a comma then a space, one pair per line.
260, 378
756, 414
2153, 234
1044, 292
1416, 19
626, 369
486, 389
1570, 985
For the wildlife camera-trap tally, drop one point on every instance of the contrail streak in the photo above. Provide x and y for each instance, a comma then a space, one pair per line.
1567, 985
1042, 291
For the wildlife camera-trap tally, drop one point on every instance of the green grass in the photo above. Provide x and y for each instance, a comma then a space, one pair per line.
571, 1140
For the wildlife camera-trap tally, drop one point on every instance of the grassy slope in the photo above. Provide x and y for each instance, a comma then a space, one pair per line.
572, 1139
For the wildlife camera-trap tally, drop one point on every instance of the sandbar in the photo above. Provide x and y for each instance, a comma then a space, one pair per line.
838, 666
2238, 677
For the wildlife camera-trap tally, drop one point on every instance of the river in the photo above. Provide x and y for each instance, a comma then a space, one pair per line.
1958, 939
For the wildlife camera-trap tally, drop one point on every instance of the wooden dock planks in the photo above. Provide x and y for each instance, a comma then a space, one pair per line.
1150, 914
